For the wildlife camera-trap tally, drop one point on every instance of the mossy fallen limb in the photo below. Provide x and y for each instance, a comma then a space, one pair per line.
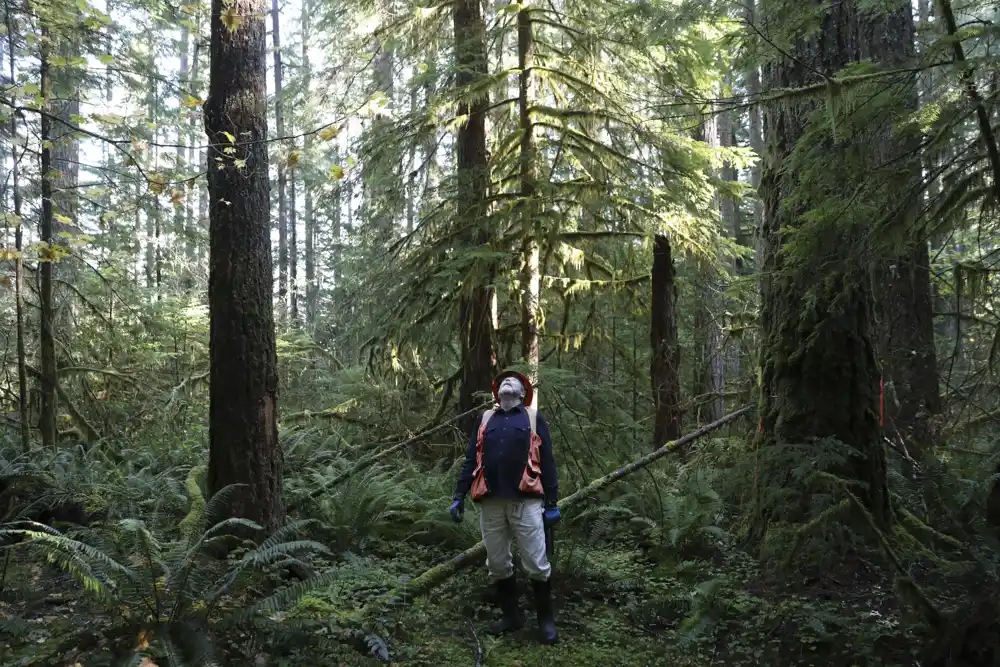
437, 574
371, 459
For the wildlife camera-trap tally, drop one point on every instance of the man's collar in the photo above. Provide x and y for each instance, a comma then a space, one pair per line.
516, 408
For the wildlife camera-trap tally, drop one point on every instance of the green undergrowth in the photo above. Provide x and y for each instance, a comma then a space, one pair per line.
652, 572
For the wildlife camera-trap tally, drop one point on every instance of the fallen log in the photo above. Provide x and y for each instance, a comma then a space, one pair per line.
437, 574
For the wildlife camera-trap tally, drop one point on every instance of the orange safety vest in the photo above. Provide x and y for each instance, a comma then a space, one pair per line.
531, 478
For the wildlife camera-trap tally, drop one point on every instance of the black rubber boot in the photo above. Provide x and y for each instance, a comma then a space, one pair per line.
507, 599
546, 617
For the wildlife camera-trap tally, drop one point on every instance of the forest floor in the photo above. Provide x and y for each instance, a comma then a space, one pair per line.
615, 607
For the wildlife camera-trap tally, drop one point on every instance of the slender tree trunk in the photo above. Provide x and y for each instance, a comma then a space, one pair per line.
308, 215
756, 138
530, 279
65, 104
819, 373
478, 359
709, 376
343, 194
293, 253
153, 205
279, 124
664, 365
182, 211
380, 183
729, 357
22, 355
243, 415
411, 179
194, 158
46, 256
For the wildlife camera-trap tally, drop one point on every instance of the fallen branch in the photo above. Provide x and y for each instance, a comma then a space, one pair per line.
183, 387
71, 370
437, 574
371, 459
332, 413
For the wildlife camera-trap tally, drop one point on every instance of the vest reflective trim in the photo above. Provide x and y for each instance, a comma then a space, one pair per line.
531, 478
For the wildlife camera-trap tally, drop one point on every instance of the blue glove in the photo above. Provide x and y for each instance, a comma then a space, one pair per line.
457, 509
551, 515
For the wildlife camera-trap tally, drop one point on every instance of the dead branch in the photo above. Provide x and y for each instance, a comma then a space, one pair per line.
187, 383
367, 461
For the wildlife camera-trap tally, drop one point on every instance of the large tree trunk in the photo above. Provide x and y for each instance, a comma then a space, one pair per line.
901, 284
46, 259
473, 184
279, 125
819, 372
243, 420
530, 278
665, 359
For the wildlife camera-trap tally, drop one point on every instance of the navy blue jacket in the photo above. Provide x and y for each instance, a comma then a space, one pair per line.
505, 453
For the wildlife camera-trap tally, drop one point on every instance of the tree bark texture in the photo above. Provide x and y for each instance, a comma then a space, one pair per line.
476, 321
243, 424
46, 258
901, 285
819, 372
665, 361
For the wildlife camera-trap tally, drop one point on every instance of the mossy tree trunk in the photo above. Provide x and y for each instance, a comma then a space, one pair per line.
243, 424
46, 260
820, 377
901, 280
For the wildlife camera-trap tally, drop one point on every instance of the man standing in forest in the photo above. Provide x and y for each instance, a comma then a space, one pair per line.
510, 472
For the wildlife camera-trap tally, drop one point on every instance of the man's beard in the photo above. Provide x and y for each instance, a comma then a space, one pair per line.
509, 401
510, 395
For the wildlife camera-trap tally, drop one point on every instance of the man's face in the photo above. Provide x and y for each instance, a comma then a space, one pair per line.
511, 387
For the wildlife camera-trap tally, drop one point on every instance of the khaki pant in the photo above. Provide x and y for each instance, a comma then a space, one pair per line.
501, 521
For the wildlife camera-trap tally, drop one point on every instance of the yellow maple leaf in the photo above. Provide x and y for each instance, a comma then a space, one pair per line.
293, 159
176, 197
231, 19
156, 187
328, 133
143, 642
336, 172
191, 101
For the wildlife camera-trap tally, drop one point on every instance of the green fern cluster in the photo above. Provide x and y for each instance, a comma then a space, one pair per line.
175, 598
